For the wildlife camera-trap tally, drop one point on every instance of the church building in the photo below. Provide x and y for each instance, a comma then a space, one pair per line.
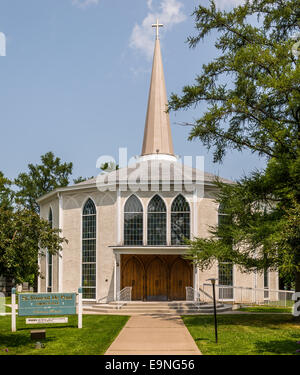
127, 227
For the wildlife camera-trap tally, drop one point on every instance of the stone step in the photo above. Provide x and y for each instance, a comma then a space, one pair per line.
156, 303
146, 309
154, 312
155, 307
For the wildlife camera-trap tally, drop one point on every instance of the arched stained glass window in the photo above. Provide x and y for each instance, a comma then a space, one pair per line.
180, 220
222, 216
225, 274
157, 222
225, 278
50, 258
133, 222
89, 250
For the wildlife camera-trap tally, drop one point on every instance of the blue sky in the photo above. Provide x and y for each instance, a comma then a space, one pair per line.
76, 75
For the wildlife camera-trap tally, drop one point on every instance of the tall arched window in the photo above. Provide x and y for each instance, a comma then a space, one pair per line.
180, 220
157, 222
222, 216
50, 258
89, 250
133, 221
225, 274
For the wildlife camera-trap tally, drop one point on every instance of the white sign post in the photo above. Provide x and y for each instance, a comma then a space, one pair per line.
13, 310
79, 307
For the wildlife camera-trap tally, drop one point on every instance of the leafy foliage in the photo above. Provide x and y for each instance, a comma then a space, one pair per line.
252, 96
22, 232
81, 179
22, 236
41, 179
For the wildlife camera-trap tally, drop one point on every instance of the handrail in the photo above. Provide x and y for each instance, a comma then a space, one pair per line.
193, 295
124, 296
246, 295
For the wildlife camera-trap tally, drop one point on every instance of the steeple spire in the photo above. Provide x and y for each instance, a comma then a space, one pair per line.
157, 135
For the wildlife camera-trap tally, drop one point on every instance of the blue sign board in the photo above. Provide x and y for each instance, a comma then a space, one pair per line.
47, 304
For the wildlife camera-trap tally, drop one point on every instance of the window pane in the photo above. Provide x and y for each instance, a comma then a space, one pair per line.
49, 271
157, 234
266, 279
89, 275
180, 204
133, 205
89, 208
133, 228
226, 278
225, 274
157, 222
89, 293
180, 220
89, 226
180, 228
89, 250
157, 205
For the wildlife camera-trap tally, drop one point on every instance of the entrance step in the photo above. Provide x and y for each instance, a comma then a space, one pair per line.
135, 307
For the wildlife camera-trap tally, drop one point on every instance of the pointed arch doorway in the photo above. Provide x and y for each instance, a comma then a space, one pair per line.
157, 280
133, 275
180, 278
156, 277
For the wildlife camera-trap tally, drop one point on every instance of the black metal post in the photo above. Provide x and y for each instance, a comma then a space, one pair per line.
215, 312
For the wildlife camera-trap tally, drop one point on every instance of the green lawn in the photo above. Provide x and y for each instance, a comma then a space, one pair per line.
267, 309
94, 338
245, 334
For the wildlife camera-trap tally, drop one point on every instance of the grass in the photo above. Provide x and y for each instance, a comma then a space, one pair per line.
266, 309
245, 334
94, 338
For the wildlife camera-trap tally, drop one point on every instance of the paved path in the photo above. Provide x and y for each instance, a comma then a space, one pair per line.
154, 334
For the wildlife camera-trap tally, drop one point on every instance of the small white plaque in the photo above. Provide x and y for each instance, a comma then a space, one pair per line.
46, 320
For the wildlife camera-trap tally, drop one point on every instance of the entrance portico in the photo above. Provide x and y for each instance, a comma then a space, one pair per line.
155, 274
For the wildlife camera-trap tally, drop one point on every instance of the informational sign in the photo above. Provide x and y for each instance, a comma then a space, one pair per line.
46, 320
31, 304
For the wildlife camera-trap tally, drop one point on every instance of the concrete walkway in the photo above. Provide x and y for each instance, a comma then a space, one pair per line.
154, 334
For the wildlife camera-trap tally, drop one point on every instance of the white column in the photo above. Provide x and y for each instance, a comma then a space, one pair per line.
119, 217
195, 213
145, 218
13, 310
60, 255
196, 280
79, 307
168, 225
118, 273
39, 277
115, 278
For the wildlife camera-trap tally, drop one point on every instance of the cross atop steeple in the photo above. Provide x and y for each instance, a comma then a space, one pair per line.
157, 135
157, 25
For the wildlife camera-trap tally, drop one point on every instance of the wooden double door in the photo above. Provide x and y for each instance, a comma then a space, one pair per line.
156, 277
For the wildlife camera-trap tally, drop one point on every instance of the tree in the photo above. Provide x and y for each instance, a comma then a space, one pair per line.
81, 179
22, 236
6, 194
109, 167
252, 93
41, 179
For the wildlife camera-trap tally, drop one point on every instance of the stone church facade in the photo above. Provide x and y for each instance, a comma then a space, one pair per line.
124, 234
